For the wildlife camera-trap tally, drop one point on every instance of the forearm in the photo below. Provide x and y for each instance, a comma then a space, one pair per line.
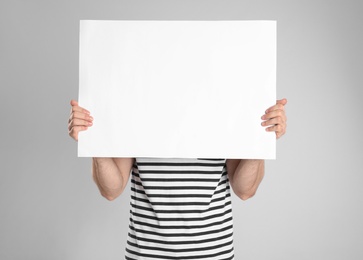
110, 179
245, 176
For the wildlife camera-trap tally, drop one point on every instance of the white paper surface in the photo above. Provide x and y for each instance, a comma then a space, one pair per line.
179, 89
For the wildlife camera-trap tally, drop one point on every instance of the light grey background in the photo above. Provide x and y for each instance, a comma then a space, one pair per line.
310, 204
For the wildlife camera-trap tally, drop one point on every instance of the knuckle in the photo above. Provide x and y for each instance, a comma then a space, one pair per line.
72, 115
71, 122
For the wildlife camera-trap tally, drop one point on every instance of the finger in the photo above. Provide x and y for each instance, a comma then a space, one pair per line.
79, 109
280, 104
73, 132
274, 128
81, 115
279, 131
275, 113
76, 107
78, 122
273, 121
275, 107
282, 101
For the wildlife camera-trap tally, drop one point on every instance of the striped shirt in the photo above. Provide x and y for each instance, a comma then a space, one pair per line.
180, 209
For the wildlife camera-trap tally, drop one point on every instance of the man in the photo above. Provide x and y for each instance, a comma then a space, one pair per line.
180, 208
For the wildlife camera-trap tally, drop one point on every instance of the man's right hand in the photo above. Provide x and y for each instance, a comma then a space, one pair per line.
79, 120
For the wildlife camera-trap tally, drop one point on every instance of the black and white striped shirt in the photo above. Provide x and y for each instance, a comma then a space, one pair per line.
180, 209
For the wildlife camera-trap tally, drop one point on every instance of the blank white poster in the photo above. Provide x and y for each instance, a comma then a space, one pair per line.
177, 89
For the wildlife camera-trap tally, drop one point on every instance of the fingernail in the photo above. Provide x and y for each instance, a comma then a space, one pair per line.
90, 117
89, 123
263, 117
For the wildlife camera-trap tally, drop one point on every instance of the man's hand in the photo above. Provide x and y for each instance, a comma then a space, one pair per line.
79, 120
275, 118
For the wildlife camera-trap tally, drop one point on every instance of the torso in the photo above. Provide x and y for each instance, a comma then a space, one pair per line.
180, 209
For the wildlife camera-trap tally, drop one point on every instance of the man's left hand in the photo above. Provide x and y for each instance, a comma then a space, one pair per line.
275, 118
